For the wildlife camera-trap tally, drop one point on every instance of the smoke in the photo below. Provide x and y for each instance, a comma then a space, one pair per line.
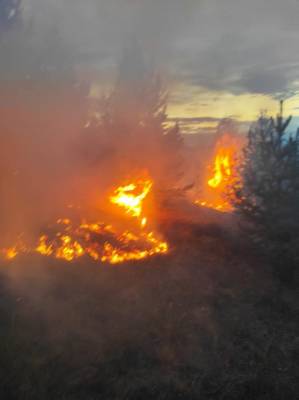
96, 31
49, 62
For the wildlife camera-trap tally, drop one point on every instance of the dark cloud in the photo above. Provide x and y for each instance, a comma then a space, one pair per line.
264, 81
231, 45
98, 29
241, 46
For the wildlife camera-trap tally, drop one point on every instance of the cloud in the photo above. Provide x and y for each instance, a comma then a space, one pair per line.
98, 29
264, 81
241, 46
235, 46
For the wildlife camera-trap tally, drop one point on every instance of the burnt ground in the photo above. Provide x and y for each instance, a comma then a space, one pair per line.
207, 321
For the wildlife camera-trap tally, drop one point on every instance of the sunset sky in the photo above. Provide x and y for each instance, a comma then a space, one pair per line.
220, 58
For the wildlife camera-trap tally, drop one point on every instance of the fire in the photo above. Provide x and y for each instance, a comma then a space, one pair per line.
222, 167
224, 206
43, 248
216, 186
100, 241
69, 249
131, 197
11, 253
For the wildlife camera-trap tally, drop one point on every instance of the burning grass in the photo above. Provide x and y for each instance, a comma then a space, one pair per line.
69, 239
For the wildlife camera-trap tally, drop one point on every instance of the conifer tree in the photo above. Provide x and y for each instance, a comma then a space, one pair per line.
133, 120
266, 195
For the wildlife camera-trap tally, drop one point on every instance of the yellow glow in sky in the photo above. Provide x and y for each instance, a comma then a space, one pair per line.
192, 102
187, 101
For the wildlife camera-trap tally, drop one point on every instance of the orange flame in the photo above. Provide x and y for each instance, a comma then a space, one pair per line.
11, 253
131, 197
216, 186
101, 241
222, 167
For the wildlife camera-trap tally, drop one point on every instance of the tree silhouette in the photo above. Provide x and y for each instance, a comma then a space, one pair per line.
226, 126
266, 195
133, 122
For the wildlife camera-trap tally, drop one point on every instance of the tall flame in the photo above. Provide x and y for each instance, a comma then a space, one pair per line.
222, 167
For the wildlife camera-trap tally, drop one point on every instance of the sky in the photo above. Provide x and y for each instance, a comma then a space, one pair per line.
220, 58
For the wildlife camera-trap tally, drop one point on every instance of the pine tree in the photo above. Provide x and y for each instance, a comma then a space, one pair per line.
227, 126
266, 195
133, 121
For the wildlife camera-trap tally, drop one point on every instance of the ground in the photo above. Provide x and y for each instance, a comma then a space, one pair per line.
207, 321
